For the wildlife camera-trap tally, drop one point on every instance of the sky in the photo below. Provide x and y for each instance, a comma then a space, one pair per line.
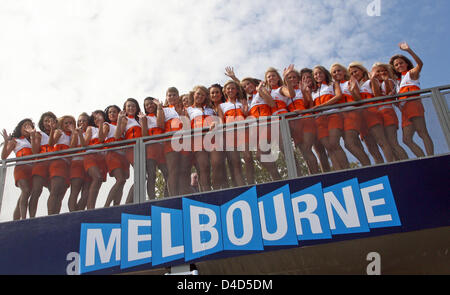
77, 56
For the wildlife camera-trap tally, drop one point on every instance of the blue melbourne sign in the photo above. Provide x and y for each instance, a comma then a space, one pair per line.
244, 223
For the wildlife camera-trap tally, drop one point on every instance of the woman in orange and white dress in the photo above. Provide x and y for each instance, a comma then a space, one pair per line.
128, 122
201, 115
370, 88
178, 162
94, 162
217, 155
329, 126
303, 130
116, 163
384, 74
153, 124
260, 107
232, 110
413, 112
352, 118
59, 169
40, 172
20, 142
79, 180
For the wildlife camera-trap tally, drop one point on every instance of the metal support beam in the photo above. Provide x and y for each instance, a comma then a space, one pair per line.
287, 148
441, 108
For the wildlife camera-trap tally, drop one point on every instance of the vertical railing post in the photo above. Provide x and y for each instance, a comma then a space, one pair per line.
2, 182
441, 108
139, 172
287, 148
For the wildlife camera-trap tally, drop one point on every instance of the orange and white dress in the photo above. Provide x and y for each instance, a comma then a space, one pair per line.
371, 116
115, 159
77, 167
234, 112
93, 158
300, 125
387, 111
409, 109
22, 171
259, 109
324, 122
280, 100
41, 168
60, 167
352, 118
172, 122
200, 118
132, 130
154, 151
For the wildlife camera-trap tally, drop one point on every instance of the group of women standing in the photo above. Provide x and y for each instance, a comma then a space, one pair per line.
316, 132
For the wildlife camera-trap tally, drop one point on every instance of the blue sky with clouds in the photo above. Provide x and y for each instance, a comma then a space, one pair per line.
77, 56
94, 53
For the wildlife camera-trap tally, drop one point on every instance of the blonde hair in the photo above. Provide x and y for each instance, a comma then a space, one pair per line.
387, 67
239, 96
273, 70
207, 101
360, 66
63, 118
346, 74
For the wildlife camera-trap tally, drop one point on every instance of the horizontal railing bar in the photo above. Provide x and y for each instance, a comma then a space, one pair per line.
336, 108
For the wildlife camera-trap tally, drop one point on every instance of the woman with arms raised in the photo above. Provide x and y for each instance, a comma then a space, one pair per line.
413, 113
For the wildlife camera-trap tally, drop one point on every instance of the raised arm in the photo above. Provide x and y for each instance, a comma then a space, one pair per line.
8, 145
415, 72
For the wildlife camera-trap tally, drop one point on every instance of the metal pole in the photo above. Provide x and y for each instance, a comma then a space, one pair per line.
441, 109
2, 182
287, 147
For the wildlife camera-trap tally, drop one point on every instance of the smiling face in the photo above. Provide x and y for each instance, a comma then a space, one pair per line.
215, 94
130, 108
379, 72
319, 75
26, 127
68, 124
113, 114
172, 97
82, 122
400, 65
48, 122
248, 87
356, 72
231, 91
149, 106
273, 79
337, 73
199, 97
292, 78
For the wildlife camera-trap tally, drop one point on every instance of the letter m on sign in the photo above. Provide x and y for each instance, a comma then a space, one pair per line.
99, 246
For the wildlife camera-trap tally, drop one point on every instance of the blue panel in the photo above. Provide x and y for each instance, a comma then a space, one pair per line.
136, 240
202, 229
99, 246
345, 208
379, 203
240, 223
310, 214
167, 235
277, 221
